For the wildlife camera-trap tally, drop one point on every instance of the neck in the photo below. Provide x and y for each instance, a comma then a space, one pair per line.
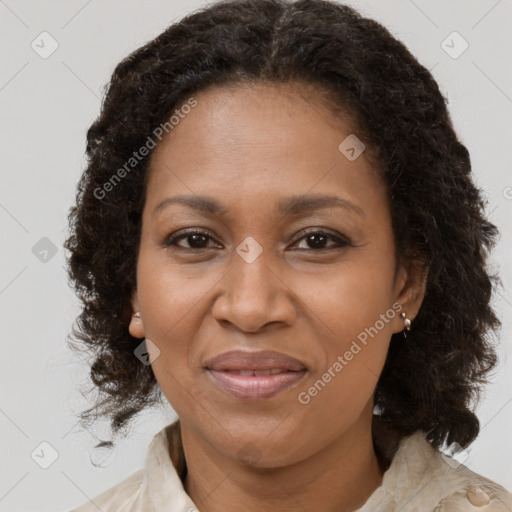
339, 478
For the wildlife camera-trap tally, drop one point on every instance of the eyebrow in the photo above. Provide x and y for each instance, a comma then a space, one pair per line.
293, 205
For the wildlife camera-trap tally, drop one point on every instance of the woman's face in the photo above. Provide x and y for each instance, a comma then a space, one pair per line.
313, 282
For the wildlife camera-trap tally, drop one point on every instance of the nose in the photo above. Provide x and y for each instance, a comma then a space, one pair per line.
254, 294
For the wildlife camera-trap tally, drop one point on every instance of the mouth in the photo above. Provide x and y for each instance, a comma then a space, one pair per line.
255, 375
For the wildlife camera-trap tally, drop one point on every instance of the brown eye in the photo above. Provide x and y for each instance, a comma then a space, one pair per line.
194, 240
317, 240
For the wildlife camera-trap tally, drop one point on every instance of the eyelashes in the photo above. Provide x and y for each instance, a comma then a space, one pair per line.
198, 240
314, 237
172, 239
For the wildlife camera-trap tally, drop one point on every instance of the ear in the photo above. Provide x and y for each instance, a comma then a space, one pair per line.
136, 326
410, 288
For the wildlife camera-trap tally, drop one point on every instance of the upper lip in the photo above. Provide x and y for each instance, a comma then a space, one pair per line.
262, 360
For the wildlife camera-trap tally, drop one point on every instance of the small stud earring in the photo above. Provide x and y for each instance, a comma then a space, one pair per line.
407, 323
137, 315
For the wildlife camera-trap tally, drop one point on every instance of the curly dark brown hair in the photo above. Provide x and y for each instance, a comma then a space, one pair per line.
431, 382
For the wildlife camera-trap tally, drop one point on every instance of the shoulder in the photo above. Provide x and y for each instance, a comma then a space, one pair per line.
471, 491
122, 497
452, 486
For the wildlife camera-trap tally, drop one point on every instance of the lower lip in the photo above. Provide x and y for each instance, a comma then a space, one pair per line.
255, 387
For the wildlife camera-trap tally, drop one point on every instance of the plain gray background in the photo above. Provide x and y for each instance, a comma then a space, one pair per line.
47, 106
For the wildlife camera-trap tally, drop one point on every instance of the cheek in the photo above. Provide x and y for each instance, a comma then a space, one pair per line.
354, 316
170, 303
337, 393
169, 294
352, 299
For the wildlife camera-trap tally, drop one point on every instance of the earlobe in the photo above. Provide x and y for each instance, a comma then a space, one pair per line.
136, 327
411, 288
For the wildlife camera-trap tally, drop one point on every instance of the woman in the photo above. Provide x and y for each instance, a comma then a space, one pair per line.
278, 231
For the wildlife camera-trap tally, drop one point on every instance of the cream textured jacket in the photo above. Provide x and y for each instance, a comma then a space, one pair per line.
419, 479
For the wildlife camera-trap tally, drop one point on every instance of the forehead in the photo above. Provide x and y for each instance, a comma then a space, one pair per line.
251, 115
253, 140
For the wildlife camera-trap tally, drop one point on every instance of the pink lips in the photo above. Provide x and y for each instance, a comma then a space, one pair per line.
255, 375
